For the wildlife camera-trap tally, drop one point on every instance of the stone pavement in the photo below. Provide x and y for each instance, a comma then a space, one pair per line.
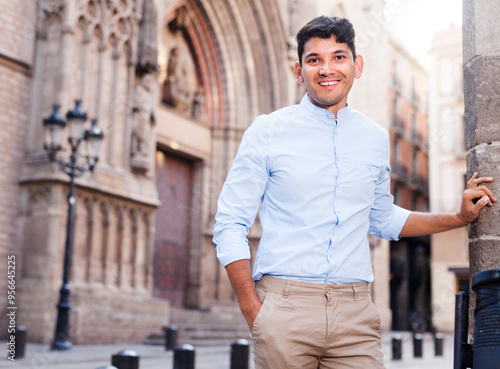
155, 357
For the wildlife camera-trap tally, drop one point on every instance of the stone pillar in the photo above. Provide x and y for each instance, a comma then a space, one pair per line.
481, 51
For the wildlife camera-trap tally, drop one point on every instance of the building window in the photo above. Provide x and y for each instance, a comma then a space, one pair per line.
395, 111
414, 133
414, 166
395, 155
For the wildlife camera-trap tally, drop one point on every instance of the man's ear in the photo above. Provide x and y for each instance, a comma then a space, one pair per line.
298, 72
358, 66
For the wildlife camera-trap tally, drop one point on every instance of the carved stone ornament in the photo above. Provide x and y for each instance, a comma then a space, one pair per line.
181, 86
109, 20
49, 7
49, 11
178, 88
143, 119
147, 49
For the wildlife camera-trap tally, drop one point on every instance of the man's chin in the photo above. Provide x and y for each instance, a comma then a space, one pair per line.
325, 103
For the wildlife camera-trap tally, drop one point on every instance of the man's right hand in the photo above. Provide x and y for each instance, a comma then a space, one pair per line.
241, 279
250, 313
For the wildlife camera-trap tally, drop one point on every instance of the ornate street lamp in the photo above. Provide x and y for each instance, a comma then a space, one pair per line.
54, 125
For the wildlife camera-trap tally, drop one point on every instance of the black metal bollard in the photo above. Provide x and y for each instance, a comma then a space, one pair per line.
397, 347
417, 345
184, 357
462, 351
126, 359
170, 337
438, 344
486, 345
20, 341
240, 354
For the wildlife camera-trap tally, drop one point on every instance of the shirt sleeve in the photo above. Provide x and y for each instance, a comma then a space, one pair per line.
241, 195
386, 219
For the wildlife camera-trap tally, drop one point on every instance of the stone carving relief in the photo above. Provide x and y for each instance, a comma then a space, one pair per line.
118, 257
144, 91
112, 19
129, 29
48, 12
143, 120
181, 87
147, 48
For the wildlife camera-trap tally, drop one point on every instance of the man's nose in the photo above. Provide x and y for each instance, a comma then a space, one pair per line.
326, 69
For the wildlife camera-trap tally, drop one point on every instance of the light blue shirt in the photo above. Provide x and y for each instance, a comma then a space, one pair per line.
322, 184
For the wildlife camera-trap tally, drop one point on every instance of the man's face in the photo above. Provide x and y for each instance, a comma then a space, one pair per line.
328, 71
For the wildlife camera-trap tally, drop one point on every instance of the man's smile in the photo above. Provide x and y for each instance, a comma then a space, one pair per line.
328, 83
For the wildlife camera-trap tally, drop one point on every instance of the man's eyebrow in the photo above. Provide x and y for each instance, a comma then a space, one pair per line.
310, 54
336, 52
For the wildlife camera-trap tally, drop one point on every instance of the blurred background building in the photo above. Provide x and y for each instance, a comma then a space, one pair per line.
447, 168
410, 282
173, 85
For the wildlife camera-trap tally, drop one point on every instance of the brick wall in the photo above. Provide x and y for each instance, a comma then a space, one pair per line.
15, 93
14, 105
18, 28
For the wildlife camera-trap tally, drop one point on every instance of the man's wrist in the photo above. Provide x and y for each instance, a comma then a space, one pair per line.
249, 307
250, 311
460, 220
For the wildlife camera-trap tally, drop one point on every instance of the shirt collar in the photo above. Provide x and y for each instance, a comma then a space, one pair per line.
321, 112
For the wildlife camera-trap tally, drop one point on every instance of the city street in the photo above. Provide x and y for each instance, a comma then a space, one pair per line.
155, 357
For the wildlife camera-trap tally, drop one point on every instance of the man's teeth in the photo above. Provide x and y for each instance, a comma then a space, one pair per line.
328, 83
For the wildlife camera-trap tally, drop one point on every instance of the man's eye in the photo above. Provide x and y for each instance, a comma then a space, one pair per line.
313, 60
340, 57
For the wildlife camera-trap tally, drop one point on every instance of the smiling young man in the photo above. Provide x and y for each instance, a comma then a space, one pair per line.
320, 173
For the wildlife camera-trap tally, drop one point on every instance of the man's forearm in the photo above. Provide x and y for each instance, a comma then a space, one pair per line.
241, 279
419, 224
475, 197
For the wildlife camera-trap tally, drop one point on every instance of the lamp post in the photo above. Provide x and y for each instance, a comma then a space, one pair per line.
53, 126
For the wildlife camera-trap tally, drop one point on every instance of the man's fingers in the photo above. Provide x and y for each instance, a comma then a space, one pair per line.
477, 192
475, 182
474, 176
488, 193
480, 193
476, 197
485, 200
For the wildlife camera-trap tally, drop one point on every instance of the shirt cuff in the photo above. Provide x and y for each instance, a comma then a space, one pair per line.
226, 258
397, 223
230, 250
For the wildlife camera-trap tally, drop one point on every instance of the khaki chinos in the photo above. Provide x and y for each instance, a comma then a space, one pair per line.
316, 326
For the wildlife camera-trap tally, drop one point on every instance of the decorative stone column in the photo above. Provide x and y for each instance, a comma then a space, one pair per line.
481, 46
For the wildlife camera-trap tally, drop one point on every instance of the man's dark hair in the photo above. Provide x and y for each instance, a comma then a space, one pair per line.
326, 27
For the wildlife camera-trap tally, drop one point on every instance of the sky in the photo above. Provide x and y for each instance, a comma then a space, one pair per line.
414, 22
